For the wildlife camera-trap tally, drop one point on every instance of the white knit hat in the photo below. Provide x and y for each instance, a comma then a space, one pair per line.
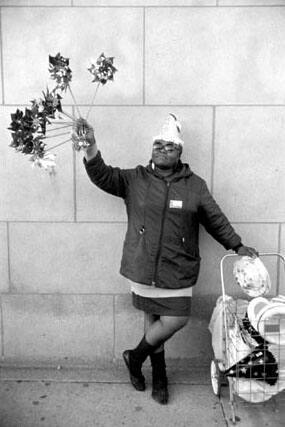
170, 131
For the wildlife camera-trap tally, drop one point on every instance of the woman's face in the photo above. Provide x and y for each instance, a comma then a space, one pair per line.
165, 154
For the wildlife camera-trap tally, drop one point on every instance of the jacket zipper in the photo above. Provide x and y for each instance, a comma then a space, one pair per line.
161, 233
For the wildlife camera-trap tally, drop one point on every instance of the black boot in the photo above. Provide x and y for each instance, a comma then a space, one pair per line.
159, 378
134, 360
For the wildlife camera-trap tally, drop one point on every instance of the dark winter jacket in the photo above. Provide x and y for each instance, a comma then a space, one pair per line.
161, 243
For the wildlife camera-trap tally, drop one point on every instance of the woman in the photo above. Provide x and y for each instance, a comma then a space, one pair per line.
165, 204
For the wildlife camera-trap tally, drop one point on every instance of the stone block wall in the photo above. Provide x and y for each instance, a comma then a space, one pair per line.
217, 64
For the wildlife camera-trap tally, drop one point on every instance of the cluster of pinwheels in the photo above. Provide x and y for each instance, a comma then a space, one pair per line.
29, 128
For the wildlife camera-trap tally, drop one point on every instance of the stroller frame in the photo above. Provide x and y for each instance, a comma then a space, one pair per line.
219, 366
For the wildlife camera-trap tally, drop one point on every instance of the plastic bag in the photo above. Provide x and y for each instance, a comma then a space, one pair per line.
252, 276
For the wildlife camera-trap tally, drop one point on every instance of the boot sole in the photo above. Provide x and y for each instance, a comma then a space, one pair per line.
162, 400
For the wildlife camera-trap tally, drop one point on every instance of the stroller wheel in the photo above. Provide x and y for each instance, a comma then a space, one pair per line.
216, 378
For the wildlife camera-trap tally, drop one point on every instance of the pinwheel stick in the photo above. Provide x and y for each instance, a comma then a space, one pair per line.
59, 127
68, 115
58, 145
62, 122
93, 100
55, 136
75, 103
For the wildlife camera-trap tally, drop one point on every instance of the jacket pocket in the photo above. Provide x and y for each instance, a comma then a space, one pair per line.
135, 252
191, 249
190, 262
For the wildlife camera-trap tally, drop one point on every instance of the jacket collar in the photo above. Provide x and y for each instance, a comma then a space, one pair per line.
182, 170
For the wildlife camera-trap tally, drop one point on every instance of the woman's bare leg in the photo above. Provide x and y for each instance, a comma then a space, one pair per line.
149, 319
158, 329
162, 328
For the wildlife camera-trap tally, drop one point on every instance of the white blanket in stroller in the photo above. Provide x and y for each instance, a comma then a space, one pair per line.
237, 348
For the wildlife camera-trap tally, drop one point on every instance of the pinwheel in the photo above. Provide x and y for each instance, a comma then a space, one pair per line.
31, 129
60, 71
102, 71
62, 74
47, 162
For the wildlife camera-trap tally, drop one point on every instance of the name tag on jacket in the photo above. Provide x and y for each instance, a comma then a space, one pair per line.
176, 204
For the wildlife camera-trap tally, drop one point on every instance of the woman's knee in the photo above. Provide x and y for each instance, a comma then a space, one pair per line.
182, 321
151, 318
174, 322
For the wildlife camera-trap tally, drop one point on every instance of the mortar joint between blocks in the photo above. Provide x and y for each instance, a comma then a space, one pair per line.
144, 50
8, 258
1, 59
213, 148
2, 329
74, 179
114, 327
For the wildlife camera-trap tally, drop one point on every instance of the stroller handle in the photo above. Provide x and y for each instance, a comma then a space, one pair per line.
236, 255
223, 283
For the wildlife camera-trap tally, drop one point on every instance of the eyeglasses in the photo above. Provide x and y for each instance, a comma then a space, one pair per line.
168, 148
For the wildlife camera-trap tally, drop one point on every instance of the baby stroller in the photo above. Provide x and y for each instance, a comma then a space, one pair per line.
248, 339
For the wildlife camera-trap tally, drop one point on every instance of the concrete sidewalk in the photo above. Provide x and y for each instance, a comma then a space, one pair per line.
103, 397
